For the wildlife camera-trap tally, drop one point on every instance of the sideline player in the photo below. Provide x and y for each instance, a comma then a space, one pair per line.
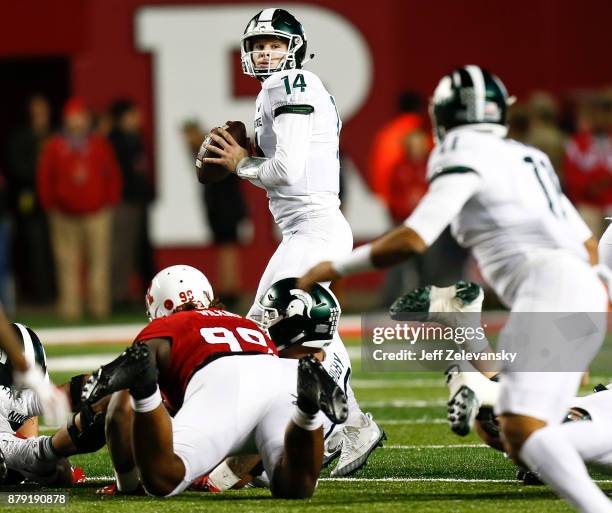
231, 393
297, 130
504, 202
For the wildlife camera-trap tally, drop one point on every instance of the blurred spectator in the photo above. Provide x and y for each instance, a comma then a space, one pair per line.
78, 184
518, 122
130, 224
5, 246
388, 147
34, 267
544, 132
103, 123
588, 163
225, 209
408, 182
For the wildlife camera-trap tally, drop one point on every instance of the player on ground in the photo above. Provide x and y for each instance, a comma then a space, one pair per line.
504, 202
53, 402
299, 323
231, 393
297, 129
40, 458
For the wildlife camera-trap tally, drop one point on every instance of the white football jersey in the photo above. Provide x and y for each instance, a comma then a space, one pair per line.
514, 208
16, 408
294, 93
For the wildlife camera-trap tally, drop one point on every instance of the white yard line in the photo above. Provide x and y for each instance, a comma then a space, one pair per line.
389, 480
85, 362
125, 333
385, 422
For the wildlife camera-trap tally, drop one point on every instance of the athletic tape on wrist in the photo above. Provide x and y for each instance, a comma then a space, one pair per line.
148, 403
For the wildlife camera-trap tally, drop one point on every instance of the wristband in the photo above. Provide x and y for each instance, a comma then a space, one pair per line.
249, 167
360, 260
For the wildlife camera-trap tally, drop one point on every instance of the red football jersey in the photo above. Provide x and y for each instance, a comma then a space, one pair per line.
198, 337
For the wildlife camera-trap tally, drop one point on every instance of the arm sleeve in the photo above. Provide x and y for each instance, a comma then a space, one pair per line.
293, 132
32, 403
582, 231
444, 200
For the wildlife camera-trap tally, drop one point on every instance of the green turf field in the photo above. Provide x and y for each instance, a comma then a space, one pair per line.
423, 467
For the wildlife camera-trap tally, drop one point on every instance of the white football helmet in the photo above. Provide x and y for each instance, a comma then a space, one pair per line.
280, 24
174, 287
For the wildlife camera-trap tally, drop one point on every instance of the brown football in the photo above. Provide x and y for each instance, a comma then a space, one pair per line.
212, 173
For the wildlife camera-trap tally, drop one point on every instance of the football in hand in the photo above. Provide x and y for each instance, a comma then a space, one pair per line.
212, 173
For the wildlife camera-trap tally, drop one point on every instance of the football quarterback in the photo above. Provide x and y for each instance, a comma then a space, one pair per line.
297, 129
503, 201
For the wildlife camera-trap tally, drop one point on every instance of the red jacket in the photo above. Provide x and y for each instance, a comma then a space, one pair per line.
407, 185
588, 169
78, 180
387, 152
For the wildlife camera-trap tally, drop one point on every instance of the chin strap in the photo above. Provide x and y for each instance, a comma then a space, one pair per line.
308, 59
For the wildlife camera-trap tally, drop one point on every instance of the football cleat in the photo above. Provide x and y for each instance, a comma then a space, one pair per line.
463, 405
78, 475
203, 484
130, 370
316, 390
332, 447
528, 477
358, 442
441, 304
260, 481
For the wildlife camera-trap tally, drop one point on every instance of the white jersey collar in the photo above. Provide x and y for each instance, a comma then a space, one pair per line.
488, 128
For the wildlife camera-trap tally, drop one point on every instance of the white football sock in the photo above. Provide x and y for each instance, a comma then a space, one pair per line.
548, 453
223, 477
354, 411
307, 421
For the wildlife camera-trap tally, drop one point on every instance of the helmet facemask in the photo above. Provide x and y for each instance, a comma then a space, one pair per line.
289, 59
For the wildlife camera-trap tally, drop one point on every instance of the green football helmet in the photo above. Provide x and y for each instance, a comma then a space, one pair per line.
276, 23
32, 348
293, 316
469, 95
